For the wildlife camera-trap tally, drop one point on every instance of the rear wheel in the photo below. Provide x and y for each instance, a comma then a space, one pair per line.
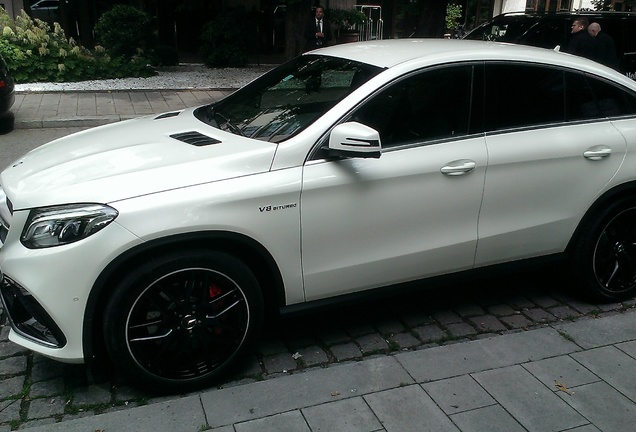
179, 322
604, 261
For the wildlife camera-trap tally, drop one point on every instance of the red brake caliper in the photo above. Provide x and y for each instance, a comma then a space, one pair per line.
215, 291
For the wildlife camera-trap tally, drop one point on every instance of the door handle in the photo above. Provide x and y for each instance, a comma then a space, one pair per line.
458, 167
597, 152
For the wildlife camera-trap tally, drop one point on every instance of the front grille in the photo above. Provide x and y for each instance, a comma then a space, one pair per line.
4, 231
27, 317
6, 212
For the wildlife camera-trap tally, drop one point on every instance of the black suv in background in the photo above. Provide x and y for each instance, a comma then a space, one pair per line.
7, 94
547, 30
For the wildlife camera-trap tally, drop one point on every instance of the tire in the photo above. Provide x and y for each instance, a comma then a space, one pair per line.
179, 322
604, 260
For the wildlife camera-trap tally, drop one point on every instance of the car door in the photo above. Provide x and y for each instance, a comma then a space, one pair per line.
551, 151
410, 213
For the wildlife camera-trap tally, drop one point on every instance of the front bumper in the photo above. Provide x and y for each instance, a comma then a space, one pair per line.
46, 291
27, 317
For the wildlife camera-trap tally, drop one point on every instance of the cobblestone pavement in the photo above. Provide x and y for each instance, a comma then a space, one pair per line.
36, 390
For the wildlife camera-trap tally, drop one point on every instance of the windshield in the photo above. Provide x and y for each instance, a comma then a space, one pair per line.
287, 99
505, 29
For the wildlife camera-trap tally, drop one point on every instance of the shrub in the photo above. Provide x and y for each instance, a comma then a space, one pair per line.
223, 40
453, 15
126, 31
34, 53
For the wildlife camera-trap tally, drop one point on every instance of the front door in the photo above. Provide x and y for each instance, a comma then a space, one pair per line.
409, 214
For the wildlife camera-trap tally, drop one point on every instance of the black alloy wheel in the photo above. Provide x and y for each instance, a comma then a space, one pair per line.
615, 254
179, 322
604, 260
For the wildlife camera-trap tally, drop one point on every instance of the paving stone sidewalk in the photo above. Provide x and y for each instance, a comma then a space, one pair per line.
71, 109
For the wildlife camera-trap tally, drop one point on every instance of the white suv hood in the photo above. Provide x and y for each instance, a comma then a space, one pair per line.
128, 159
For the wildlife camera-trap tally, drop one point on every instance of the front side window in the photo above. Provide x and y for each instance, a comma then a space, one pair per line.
287, 99
430, 105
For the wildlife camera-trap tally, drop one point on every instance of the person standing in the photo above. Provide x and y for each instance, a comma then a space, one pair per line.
317, 30
581, 43
604, 47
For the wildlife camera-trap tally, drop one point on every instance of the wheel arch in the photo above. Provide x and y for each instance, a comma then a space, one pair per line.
624, 190
240, 246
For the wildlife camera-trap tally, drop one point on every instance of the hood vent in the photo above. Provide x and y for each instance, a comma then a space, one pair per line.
195, 138
166, 115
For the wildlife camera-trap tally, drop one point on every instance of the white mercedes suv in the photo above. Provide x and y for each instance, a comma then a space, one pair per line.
377, 164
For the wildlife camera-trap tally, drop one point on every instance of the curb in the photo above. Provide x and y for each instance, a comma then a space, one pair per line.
135, 90
70, 122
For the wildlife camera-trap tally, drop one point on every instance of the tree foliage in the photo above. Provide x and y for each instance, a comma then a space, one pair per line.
606, 5
125, 31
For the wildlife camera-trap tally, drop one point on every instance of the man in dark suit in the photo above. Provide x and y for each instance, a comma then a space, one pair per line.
604, 47
317, 30
580, 43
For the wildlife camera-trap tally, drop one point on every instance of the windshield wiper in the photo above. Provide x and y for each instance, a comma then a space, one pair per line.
231, 126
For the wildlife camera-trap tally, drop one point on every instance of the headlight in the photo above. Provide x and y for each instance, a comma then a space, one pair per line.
55, 226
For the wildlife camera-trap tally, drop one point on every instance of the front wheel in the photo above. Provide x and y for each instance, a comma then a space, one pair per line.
179, 322
604, 261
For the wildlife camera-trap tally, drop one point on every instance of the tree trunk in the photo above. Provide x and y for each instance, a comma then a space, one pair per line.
86, 19
296, 16
166, 13
431, 18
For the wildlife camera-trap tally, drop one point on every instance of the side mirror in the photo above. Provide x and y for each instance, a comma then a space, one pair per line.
354, 139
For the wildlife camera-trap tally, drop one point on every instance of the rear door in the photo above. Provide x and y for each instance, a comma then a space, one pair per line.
551, 150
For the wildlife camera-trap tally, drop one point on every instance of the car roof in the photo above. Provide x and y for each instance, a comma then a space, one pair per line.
390, 53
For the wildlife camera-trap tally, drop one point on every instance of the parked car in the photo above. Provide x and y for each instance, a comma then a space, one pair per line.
7, 88
46, 10
348, 170
548, 30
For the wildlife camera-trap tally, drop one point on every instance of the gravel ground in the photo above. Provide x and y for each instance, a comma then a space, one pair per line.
182, 77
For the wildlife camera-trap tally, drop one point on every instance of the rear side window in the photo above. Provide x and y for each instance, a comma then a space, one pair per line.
588, 97
521, 95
